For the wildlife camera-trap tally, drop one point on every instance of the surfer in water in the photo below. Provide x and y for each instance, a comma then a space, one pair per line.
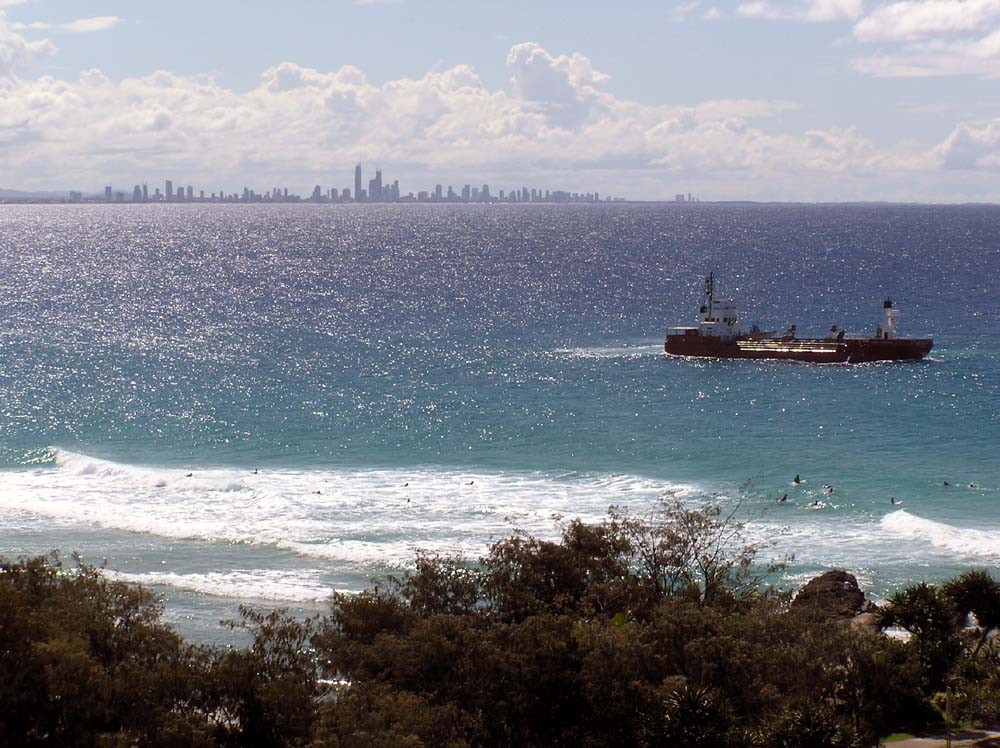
892, 500
796, 480
782, 499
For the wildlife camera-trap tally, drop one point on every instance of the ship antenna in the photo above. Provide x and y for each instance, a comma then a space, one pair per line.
710, 289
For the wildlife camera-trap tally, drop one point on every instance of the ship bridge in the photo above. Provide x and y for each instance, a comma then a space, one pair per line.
718, 317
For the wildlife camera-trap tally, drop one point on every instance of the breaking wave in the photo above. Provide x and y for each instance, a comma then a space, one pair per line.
959, 540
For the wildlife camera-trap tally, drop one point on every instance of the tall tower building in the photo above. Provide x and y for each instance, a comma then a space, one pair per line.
376, 194
170, 190
357, 182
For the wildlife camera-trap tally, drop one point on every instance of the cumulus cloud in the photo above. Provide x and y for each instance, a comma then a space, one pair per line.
556, 119
972, 147
16, 51
566, 87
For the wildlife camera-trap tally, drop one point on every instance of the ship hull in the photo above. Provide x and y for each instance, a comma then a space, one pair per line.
817, 351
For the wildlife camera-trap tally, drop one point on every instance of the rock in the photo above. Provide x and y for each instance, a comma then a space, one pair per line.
865, 621
833, 594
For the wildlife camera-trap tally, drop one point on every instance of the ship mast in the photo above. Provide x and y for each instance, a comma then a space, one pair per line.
710, 291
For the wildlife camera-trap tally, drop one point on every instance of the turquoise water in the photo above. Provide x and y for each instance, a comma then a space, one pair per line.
442, 374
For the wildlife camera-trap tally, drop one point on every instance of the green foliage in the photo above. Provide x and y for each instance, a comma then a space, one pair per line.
636, 631
264, 696
701, 553
84, 657
932, 620
978, 593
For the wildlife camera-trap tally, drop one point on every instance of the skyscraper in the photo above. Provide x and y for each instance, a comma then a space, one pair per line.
170, 190
357, 182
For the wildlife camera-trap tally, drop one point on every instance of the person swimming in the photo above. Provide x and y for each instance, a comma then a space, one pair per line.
827, 488
471, 482
796, 480
892, 500
945, 483
973, 485
782, 499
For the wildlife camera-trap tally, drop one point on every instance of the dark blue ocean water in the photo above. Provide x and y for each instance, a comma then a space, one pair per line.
405, 377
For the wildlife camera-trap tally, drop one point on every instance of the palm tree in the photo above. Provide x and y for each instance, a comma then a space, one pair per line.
978, 593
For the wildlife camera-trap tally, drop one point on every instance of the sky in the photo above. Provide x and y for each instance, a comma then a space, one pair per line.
793, 100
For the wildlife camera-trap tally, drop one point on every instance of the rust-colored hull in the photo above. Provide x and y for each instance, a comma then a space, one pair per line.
816, 350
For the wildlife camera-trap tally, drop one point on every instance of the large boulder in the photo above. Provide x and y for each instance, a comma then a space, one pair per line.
833, 594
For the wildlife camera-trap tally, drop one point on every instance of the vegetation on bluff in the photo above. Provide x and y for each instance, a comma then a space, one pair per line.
639, 631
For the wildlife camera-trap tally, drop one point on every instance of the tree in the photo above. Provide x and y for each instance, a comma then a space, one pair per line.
699, 552
930, 617
978, 593
265, 696
84, 657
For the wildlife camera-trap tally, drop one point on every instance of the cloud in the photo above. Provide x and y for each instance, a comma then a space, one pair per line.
913, 19
16, 51
925, 38
79, 26
972, 147
937, 57
682, 11
566, 88
556, 125
813, 11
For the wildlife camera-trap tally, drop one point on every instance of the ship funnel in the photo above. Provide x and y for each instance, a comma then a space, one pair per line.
890, 321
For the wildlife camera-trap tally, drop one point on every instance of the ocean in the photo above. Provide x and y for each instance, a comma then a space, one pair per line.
266, 404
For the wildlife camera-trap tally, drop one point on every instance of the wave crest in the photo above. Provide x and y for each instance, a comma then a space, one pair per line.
960, 540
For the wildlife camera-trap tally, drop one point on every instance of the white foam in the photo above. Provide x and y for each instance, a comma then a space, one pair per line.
302, 586
359, 517
612, 351
959, 540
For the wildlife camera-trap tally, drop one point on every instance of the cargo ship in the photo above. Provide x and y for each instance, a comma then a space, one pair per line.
718, 335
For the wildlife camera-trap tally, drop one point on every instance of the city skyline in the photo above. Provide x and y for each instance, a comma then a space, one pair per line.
795, 100
377, 191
